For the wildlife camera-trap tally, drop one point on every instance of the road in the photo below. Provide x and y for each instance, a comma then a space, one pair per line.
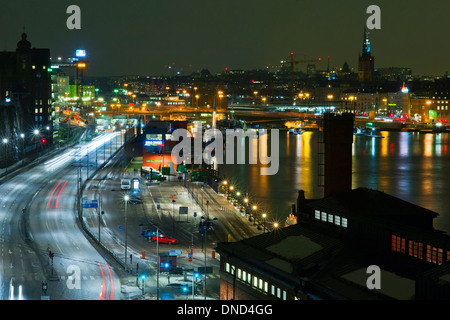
38, 216
42, 238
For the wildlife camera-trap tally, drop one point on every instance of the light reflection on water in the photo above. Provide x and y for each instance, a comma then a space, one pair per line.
411, 166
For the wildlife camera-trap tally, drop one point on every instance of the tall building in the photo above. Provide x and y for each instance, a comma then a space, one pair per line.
25, 85
366, 63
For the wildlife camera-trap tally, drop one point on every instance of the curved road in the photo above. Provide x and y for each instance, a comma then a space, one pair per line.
48, 192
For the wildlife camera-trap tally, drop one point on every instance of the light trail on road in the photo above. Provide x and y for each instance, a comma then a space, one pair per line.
57, 198
51, 196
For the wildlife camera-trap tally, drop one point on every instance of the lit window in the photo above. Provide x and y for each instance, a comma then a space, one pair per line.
337, 220
344, 222
434, 255
239, 273
244, 275
440, 253
227, 267
317, 214
278, 293
255, 281
266, 286
428, 253
398, 244
260, 284
330, 218
272, 289
284, 295
324, 216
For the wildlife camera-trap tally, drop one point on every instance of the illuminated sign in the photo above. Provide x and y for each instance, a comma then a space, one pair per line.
149, 143
136, 183
80, 53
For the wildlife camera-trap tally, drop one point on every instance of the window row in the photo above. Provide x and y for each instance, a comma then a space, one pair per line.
40, 119
416, 250
255, 282
326, 217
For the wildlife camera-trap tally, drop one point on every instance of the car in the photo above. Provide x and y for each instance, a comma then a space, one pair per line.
162, 238
135, 200
149, 233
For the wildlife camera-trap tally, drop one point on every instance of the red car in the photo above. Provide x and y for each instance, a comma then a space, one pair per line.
162, 238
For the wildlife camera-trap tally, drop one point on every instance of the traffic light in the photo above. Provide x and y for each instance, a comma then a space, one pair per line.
43, 140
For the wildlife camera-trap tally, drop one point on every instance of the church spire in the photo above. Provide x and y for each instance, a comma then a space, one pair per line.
366, 42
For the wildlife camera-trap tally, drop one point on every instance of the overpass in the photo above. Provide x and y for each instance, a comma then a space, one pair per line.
251, 114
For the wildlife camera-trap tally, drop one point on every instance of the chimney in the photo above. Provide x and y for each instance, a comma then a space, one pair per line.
338, 140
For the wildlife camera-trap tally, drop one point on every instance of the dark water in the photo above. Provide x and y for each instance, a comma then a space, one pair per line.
411, 166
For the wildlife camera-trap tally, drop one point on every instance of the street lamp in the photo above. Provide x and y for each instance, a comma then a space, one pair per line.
36, 133
195, 275
5, 142
264, 222
220, 93
126, 198
22, 135
254, 207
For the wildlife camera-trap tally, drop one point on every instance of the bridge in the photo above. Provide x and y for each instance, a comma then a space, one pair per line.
251, 114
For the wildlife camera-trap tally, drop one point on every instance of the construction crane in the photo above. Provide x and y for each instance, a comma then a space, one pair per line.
292, 63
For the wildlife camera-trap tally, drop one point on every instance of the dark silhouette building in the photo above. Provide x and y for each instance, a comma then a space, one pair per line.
25, 98
327, 254
366, 62
338, 140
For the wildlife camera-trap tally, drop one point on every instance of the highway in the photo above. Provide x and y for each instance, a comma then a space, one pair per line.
38, 218
43, 242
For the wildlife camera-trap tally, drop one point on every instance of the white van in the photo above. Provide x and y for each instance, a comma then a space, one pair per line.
125, 184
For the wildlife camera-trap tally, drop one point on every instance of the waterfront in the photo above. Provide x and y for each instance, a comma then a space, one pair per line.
410, 166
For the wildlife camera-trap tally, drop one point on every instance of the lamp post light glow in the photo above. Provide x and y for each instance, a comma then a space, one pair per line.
264, 215
254, 208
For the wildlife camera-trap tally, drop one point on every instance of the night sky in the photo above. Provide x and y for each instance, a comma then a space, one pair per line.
141, 37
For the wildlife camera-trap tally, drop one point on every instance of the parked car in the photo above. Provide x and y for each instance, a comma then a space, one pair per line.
149, 233
162, 238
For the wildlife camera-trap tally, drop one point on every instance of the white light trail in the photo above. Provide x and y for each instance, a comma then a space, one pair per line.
69, 156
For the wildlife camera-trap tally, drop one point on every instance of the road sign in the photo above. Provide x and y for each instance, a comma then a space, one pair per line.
183, 210
201, 270
91, 204
175, 253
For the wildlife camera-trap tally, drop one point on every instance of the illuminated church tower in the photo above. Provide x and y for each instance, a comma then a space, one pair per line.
366, 62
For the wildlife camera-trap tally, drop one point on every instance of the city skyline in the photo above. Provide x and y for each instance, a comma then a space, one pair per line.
147, 37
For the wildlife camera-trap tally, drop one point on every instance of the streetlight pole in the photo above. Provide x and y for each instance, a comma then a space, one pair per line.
126, 198
5, 142
264, 222
36, 135
157, 263
204, 287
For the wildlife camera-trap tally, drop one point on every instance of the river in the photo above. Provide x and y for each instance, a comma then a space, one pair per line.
409, 165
